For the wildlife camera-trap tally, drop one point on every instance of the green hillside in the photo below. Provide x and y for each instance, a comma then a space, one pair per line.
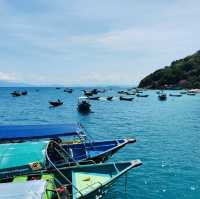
183, 73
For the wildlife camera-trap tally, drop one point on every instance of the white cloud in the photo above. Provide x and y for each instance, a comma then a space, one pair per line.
8, 76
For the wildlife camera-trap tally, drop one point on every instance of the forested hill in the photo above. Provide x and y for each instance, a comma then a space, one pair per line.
183, 73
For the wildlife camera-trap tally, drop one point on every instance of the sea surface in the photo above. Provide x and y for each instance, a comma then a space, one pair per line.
167, 133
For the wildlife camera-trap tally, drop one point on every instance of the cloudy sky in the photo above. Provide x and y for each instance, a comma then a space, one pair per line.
94, 41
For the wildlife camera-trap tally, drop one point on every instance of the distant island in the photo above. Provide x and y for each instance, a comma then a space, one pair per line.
181, 74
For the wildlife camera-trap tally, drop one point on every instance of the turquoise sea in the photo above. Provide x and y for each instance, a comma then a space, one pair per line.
167, 133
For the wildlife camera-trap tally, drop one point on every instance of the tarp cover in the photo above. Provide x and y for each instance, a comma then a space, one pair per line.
20, 154
15, 132
34, 189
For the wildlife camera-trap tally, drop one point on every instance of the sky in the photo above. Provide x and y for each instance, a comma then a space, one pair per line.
94, 42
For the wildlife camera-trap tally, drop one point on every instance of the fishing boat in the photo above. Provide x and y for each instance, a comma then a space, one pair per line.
94, 98
16, 94
162, 96
87, 93
98, 151
142, 95
125, 98
191, 93
24, 93
132, 93
158, 92
30, 156
68, 90
183, 92
84, 105
77, 182
95, 180
56, 103
72, 137
175, 95
109, 98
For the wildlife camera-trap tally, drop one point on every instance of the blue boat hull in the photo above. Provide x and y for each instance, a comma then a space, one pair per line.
96, 151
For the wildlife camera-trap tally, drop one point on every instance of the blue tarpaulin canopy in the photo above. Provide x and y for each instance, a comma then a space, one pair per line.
20, 132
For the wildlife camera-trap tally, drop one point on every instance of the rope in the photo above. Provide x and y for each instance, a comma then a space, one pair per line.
61, 174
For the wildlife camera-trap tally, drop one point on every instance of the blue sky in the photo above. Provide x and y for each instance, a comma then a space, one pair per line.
89, 42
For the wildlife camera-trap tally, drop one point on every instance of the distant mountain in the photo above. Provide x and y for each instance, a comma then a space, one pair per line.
183, 73
4, 83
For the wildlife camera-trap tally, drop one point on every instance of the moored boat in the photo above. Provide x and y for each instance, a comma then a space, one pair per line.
84, 105
24, 93
77, 182
162, 96
126, 98
191, 94
142, 95
56, 103
16, 94
28, 157
68, 90
94, 98
175, 95
109, 98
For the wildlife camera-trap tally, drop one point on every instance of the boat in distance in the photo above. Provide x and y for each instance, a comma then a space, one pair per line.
77, 182
84, 105
56, 103
126, 98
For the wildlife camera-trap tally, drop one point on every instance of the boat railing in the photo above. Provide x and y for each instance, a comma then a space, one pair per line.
88, 138
62, 175
117, 170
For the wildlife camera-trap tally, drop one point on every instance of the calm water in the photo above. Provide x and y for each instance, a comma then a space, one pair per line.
168, 136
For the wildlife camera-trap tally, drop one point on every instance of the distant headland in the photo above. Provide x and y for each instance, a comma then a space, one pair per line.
183, 73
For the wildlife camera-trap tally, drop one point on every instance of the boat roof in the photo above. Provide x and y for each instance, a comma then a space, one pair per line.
34, 189
22, 154
16, 132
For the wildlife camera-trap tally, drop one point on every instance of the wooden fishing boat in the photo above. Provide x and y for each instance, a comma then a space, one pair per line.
183, 92
56, 103
77, 182
31, 156
175, 95
109, 98
68, 90
16, 94
94, 98
24, 93
87, 93
142, 95
84, 105
125, 98
191, 94
94, 180
162, 96
98, 151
